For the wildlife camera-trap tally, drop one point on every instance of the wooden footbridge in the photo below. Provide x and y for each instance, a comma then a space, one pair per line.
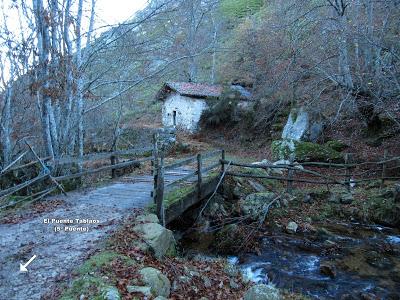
171, 187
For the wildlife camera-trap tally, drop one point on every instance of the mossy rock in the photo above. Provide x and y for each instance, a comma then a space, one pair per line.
283, 149
90, 286
337, 145
100, 260
304, 151
226, 240
383, 211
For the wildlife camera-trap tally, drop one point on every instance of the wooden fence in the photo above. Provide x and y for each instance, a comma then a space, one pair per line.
323, 173
47, 167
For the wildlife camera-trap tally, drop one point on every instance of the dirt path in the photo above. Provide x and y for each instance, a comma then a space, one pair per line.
59, 252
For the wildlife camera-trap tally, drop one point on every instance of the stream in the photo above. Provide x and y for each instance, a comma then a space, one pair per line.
335, 261
342, 261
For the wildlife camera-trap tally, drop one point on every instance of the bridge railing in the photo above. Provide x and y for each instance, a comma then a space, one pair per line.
347, 174
196, 169
88, 164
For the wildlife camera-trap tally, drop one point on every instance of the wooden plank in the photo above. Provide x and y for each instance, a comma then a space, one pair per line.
348, 177
113, 161
32, 163
385, 154
222, 160
255, 166
181, 163
13, 162
180, 181
25, 184
160, 191
199, 176
46, 169
288, 167
209, 168
280, 178
210, 154
290, 177
97, 156
102, 169
155, 166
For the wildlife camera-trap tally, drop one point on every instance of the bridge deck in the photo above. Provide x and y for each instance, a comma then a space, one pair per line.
58, 253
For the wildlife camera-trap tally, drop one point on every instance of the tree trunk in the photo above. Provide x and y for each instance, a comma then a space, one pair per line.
6, 127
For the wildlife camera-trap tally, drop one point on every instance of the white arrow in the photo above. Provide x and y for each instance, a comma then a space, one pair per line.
22, 268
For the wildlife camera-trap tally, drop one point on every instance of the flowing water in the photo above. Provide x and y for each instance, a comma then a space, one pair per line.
364, 262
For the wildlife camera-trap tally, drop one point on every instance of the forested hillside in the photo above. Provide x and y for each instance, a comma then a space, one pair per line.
200, 149
338, 58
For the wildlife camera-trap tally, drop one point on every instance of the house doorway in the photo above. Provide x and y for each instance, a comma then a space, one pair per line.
174, 118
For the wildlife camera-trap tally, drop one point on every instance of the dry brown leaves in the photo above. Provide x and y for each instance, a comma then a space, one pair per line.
36, 208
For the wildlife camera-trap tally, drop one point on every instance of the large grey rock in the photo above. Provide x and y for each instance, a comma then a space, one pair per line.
148, 218
297, 125
111, 293
258, 187
254, 204
291, 227
283, 149
262, 292
145, 290
346, 198
343, 198
157, 281
315, 132
301, 126
156, 237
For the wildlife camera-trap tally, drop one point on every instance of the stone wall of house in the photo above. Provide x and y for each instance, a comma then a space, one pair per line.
188, 112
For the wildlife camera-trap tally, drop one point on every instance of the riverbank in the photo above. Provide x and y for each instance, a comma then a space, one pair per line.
317, 243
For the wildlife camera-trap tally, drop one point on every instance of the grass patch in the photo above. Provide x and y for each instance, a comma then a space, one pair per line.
100, 260
92, 287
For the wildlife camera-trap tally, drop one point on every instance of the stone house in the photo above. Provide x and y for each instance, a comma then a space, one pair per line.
184, 102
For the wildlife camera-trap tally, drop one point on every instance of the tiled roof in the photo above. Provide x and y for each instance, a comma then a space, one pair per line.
197, 90
194, 89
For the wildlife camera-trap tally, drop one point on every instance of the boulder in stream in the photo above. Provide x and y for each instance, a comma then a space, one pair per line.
327, 269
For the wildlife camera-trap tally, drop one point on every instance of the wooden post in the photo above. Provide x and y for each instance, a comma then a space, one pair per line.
222, 167
113, 171
222, 163
155, 165
327, 182
385, 155
290, 176
160, 191
348, 176
199, 176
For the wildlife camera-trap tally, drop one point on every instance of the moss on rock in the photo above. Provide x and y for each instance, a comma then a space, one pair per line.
89, 286
304, 151
100, 260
